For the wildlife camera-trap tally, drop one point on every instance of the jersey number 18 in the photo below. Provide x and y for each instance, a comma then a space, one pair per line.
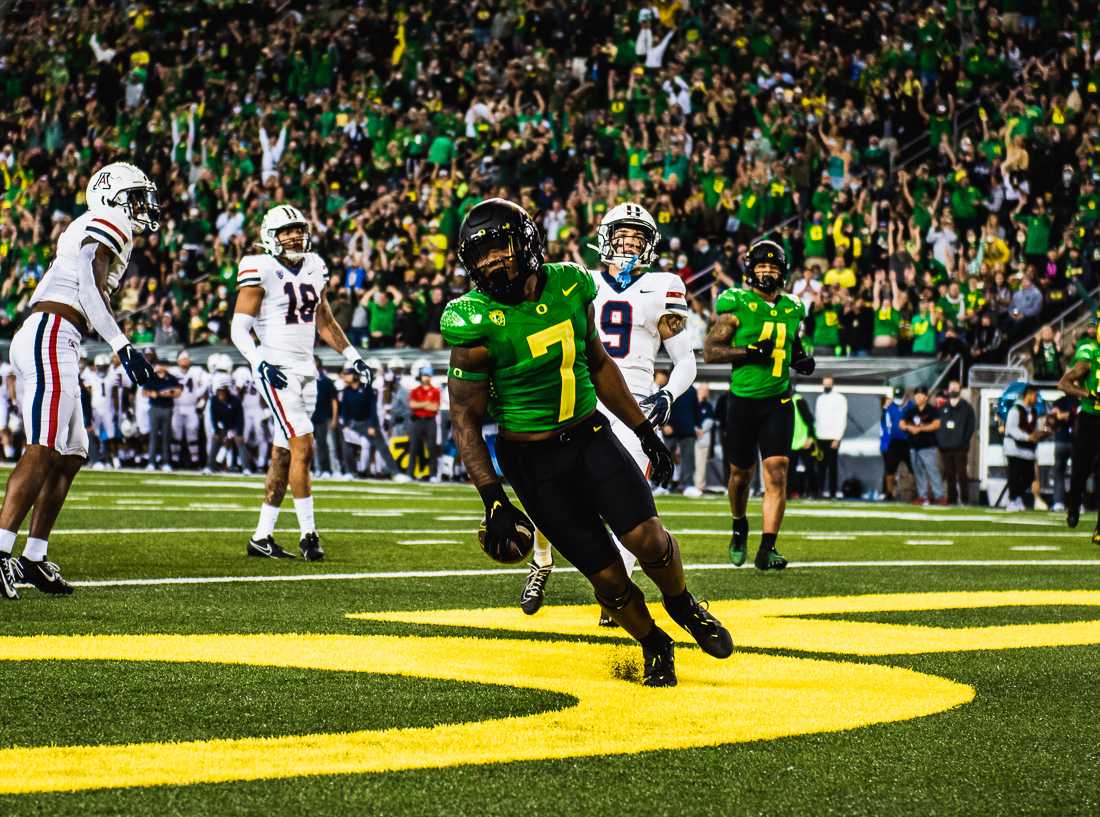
300, 311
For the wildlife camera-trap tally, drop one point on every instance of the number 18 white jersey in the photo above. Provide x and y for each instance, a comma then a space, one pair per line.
286, 324
627, 320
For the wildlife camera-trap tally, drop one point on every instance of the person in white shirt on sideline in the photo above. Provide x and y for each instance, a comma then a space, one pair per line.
830, 422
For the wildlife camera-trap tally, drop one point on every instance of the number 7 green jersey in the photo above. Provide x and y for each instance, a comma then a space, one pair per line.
759, 320
539, 379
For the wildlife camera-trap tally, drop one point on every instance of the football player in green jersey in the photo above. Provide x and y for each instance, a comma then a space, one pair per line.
1082, 380
525, 351
757, 333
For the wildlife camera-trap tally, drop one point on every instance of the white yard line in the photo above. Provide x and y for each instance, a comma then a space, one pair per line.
929, 541
506, 571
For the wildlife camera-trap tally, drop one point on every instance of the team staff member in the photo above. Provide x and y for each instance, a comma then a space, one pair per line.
424, 402
757, 334
161, 392
921, 421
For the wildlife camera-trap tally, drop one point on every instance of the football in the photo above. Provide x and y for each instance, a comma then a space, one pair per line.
515, 550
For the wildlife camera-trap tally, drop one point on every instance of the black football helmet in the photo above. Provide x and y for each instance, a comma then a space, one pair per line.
497, 224
766, 252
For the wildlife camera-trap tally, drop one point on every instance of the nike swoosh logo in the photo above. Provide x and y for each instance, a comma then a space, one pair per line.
784, 401
597, 428
567, 291
496, 505
647, 291
264, 549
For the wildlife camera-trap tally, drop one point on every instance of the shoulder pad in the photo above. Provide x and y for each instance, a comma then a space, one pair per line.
728, 301
573, 280
250, 271
106, 228
465, 320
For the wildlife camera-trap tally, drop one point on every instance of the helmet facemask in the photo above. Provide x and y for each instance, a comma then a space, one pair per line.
141, 207
293, 247
629, 245
493, 261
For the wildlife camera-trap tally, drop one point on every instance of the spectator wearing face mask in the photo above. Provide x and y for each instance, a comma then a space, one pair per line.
953, 437
921, 420
893, 443
831, 412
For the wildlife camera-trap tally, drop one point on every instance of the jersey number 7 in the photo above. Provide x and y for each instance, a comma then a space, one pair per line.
300, 311
540, 344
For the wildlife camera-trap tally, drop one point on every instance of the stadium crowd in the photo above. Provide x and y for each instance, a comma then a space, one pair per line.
935, 179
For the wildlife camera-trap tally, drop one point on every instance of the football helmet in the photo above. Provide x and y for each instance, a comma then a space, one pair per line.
493, 225
122, 186
627, 215
766, 252
103, 361
276, 220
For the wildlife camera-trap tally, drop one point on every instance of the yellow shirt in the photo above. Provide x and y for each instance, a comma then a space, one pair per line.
840, 276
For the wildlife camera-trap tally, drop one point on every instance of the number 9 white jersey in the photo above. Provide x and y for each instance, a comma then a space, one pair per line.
286, 325
628, 318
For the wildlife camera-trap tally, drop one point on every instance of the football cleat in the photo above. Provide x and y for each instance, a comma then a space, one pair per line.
739, 542
46, 576
606, 620
267, 549
660, 666
769, 560
708, 632
311, 548
1073, 514
7, 577
534, 588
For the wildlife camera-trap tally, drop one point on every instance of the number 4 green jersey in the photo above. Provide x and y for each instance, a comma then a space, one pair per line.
759, 320
539, 379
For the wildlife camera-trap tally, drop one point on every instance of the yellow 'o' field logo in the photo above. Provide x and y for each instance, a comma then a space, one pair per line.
717, 702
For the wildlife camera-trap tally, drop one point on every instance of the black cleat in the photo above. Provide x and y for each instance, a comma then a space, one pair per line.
311, 548
606, 620
769, 559
267, 549
534, 588
660, 666
42, 574
708, 632
7, 577
1073, 515
739, 542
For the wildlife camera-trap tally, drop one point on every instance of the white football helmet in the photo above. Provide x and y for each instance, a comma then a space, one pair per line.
279, 218
127, 427
223, 381
627, 215
242, 376
122, 186
102, 361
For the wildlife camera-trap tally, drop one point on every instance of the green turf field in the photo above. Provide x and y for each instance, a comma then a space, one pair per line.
910, 662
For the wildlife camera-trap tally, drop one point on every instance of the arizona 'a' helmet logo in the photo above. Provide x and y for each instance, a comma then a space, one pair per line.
103, 182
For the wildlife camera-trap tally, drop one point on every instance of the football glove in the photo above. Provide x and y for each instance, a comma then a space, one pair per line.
760, 352
658, 407
137, 367
507, 535
660, 458
801, 362
362, 369
272, 374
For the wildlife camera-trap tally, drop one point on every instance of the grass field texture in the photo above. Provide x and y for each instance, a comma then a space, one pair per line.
911, 661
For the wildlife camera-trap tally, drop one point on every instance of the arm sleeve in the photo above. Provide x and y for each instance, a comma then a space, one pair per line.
91, 301
683, 364
240, 332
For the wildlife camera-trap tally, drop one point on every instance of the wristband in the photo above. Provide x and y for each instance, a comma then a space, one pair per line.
351, 354
644, 428
119, 342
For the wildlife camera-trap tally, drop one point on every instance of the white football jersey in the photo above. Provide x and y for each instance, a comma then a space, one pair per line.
286, 325
251, 402
6, 371
102, 387
61, 282
193, 386
628, 318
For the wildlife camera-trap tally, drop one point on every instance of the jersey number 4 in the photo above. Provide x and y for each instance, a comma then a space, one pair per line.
615, 324
301, 305
780, 353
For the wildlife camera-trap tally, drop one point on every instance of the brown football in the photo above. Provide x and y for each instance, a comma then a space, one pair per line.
515, 550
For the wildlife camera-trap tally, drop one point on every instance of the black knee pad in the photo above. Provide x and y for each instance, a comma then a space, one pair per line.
619, 601
661, 561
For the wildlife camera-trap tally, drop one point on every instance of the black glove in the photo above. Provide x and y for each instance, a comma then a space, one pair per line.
760, 352
137, 367
660, 458
507, 535
362, 369
272, 374
802, 362
658, 407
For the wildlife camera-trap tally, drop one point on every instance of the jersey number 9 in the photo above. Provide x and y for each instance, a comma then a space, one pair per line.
300, 311
615, 324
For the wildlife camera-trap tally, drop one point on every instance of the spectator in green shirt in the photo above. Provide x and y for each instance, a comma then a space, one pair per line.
382, 315
887, 328
923, 329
